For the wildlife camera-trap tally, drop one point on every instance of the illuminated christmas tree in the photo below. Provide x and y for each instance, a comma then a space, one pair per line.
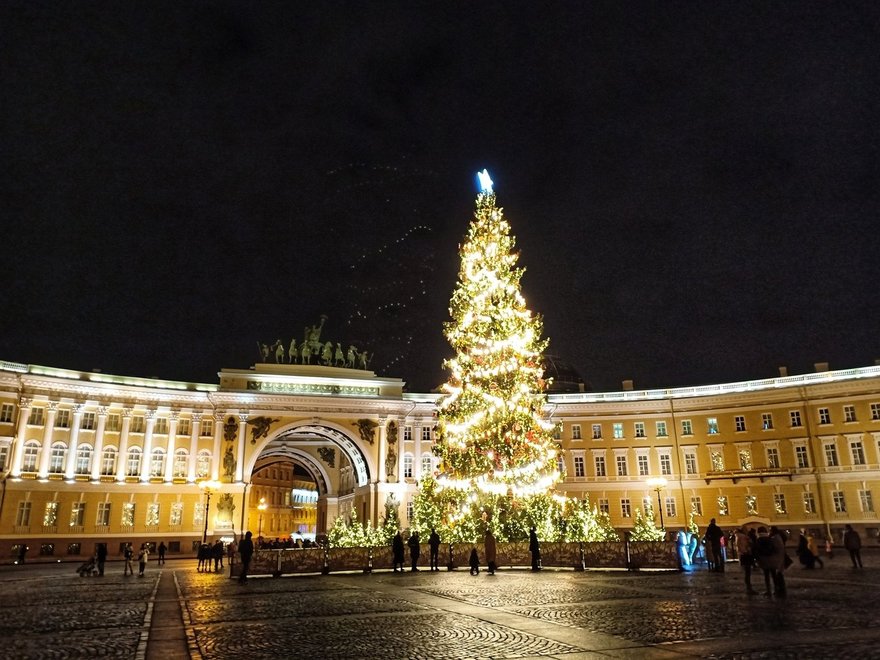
644, 528
497, 457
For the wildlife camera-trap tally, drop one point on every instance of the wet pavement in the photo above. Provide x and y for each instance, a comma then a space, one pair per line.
48, 611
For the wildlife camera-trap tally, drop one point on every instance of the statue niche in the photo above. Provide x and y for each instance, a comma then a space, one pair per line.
366, 428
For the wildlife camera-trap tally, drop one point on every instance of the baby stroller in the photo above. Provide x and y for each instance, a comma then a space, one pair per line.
88, 568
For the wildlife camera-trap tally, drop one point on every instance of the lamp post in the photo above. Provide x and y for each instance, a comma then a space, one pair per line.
208, 487
261, 507
657, 484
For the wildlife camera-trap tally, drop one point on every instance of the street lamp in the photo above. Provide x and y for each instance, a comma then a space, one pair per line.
261, 507
657, 484
208, 487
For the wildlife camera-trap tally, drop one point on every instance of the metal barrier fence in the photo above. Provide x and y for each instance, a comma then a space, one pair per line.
630, 555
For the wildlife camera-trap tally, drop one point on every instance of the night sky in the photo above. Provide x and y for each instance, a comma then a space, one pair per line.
693, 186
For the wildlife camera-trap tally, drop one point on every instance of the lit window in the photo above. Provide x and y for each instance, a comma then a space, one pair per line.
697, 505
203, 464
723, 508
157, 462
56, 458
108, 461
712, 425
181, 458
176, 514
779, 503
617, 428
50, 515
133, 465
767, 421
83, 459
752, 505
809, 503
745, 459
113, 423
717, 460
152, 514
128, 514
30, 456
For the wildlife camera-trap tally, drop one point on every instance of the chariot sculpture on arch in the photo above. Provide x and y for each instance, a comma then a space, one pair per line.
325, 352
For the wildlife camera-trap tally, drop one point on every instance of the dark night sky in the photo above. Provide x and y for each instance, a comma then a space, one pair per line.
693, 186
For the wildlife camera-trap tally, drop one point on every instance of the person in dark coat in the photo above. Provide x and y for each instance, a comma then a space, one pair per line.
414, 550
713, 537
434, 544
397, 552
217, 554
162, 549
246, 550
101, 557
474, 561
491, 551
853, 543
535, 549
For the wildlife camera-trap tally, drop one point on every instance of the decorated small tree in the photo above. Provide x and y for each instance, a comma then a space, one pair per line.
644, 528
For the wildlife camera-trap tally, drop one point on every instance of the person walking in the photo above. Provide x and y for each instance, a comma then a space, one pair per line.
128, 556
746, 555
811, 546
713, 537
101, 557
143, 556
434, 545
162, 549
535, 549
414, 550
491, 552
803, 551
770, 554
246, 550
853, 543
474, 561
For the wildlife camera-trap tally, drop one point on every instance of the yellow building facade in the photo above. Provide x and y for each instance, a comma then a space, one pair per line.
88, 457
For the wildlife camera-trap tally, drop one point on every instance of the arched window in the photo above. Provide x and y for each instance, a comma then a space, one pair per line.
407, 466
157, 462
56, 458
133, 463
203, 465
108, 460
31, 456
427, 464
83, 459
181, 457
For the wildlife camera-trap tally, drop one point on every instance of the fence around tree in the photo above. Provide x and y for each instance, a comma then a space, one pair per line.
631, 555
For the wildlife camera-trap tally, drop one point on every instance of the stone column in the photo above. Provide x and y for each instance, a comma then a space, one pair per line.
242, 435
195, 431
150, 416
24, 412
48, 429
172, 446
123, 444
99, 443
217, 457
383, 449
417, 454
70, 466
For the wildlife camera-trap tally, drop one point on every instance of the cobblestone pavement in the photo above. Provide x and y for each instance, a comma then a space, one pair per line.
50, 612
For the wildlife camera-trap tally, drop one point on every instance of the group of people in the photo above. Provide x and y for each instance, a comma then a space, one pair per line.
211, 554
284, 544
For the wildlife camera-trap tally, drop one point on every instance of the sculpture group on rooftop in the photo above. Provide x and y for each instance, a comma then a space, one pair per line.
324, 353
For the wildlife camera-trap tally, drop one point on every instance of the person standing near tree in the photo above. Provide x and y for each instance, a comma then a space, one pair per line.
491, 552
414, 550
246, 550
397, 552
434, 545
853, 543
535, 549
713, 537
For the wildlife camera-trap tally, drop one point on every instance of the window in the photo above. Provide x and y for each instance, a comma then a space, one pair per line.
642, 462
740, 423
184, 427
597, 431
83, 459
133, 464
697, 505
576, 432
849, 413
407, 466
621, 465
410, 511
426, 434
36, 417
427, 464
665, 464
157, 462
103, 518
557, 431
839, 501
88, 421
50, 515
640, 429
62, 419
199, 516
772, 457
717, 460
23, 515
745, 459
137, 424
686, 427
578, 466
30, 456
752, 505
795, 417
128, 510
560, 464
181, 458
866, 501
206, 428
108, 461
712, 426
161, 427
113, 423
176, 514
800, 457
824, 416
599, 462
203, 464
57, 457
669, 503
809, 503
604, 507
661, 429
625, 508
723, 508
779, 503
690, 462
767, 421
7, 412
831, 455
617, 428
77, 514
857, 451
152, 514
875, 412
407, 433
4, 457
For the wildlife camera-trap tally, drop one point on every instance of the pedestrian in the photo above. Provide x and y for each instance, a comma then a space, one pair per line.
535, 549
217, 552
474, 561
414, 550
143, 556
770, 555
803, 551
22, 550
101, 557
246, 550
162, 549
829, 547
434, 544
231, 549
491, 552
746, 555
397, 552
811, 546
204, 556
853, 543
713, 537
128, 555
